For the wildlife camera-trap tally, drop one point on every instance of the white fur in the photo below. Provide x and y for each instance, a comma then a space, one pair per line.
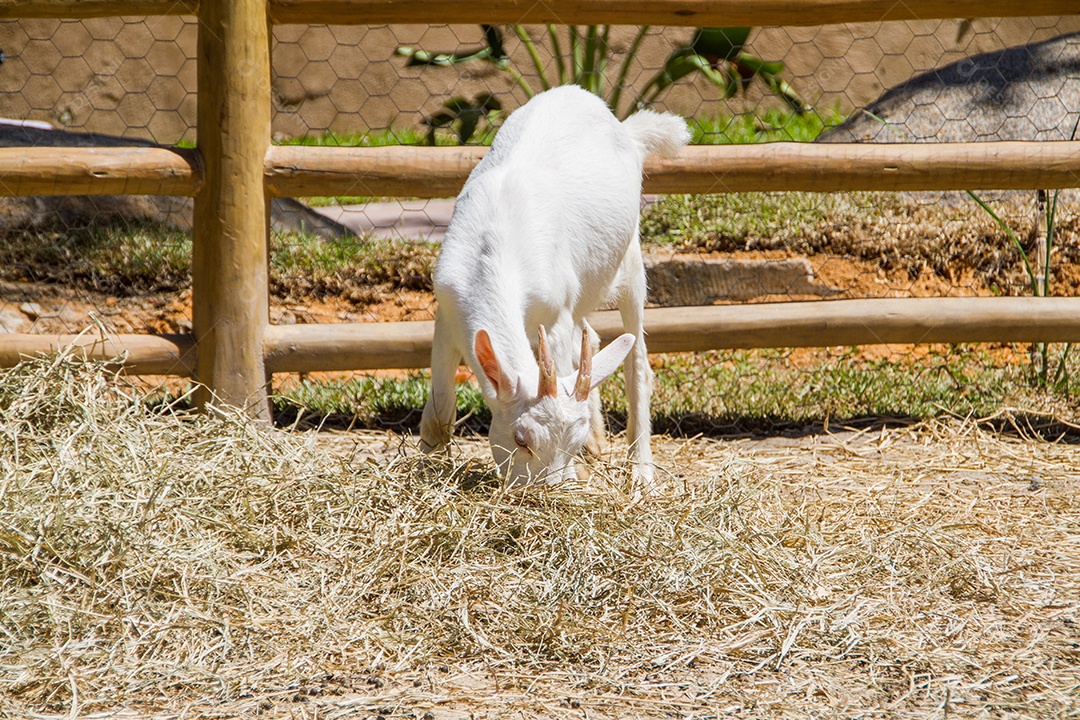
544, 232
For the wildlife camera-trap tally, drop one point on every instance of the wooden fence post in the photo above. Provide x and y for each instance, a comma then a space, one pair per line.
230, 302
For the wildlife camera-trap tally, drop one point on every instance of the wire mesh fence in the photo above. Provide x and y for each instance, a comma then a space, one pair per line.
135, 77
357, 257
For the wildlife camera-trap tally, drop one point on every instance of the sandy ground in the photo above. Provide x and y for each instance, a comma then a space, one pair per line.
950, 476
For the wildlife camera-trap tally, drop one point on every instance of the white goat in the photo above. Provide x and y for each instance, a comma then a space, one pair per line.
543, 233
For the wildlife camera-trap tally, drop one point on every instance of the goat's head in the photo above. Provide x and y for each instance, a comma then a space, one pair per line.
538, 428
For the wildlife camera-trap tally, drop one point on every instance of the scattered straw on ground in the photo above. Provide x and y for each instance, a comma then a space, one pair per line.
154, 564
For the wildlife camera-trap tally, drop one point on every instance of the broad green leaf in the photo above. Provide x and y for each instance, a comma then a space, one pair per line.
418, 57
718, 44
494, 39
756, 65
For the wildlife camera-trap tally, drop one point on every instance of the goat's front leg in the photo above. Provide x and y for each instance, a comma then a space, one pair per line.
597, 442
639, 383
437, 422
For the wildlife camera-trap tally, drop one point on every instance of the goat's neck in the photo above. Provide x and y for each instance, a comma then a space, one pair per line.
513, 345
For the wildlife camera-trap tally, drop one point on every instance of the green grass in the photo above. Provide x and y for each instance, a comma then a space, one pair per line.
370, 402
888, 230
120, 258
743, 391
732, 392
733, 221
368, 138
128, 258
304, 266
772, 126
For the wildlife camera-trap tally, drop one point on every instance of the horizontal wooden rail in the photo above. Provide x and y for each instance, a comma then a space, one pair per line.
293, 171
855, 322
372, 346
856, 166
368, 346
94, 8
142, 354
348, 346
829, 167
402, 171
653, 12
580, 12
99, 171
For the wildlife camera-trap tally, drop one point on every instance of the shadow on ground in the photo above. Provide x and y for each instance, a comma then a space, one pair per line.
406, 420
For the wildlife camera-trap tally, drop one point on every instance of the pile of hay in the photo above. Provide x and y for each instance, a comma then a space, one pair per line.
154, 563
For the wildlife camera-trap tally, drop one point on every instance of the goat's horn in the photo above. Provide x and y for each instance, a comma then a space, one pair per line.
549, 383
584, 378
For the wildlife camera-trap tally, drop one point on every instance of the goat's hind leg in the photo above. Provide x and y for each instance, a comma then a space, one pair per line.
639, 375
437, 422
639, 382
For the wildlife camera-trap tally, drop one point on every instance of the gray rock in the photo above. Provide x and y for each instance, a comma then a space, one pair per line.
690, 280
1030, 92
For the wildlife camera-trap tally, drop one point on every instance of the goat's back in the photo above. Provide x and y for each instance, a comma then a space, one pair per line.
564, 146
549, 212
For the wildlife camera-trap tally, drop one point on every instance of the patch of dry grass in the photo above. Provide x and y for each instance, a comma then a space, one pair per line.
944, 232
153, 563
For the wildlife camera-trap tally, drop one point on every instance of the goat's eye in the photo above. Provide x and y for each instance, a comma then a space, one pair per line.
521, 440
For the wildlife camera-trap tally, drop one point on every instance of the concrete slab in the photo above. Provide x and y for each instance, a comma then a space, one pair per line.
421, 220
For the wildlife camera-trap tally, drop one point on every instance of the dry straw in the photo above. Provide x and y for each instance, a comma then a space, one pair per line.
158, 564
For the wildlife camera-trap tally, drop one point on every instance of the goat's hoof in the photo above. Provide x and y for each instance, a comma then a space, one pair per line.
644, 479
594, 448
434, 441
442, 448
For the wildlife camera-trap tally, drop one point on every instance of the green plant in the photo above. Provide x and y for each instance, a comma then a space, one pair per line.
718, 54
1047, 373
367, 138
366, 401
467, 115
1039, 274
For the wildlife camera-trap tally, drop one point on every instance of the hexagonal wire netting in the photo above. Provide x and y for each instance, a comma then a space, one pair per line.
122, 262
68, 262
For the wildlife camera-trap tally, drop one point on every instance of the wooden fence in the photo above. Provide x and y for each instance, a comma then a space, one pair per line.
234, 171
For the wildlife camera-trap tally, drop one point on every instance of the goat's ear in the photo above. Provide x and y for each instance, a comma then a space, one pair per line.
607, 361
485, 354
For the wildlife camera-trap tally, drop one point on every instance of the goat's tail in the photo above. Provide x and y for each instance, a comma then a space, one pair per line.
656, 133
